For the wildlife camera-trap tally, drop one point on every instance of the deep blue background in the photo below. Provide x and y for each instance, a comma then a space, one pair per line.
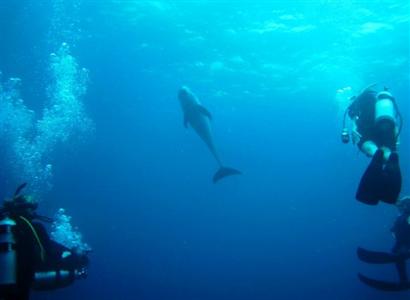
140, 189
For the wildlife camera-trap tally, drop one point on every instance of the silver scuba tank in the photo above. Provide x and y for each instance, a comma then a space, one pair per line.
8, 257
385, 108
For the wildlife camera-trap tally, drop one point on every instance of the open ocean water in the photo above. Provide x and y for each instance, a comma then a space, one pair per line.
89, 117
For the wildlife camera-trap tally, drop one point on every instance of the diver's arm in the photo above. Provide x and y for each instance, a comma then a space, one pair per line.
61, 265
52, 280
62, 272
395, 226
356, 136
393, 231
369, 148
397, 138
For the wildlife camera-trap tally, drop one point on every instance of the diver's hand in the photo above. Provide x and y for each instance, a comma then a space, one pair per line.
356, 136
74, 260
81, 273
81, 259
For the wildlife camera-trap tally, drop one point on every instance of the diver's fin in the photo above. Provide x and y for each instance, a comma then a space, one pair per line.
223, 172
186, 121
374, 257
204, 111
384, 285
19, 189
372, 180
392, 180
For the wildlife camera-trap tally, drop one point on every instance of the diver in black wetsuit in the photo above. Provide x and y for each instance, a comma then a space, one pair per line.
399, 253
401, 227
28, 258
375, 130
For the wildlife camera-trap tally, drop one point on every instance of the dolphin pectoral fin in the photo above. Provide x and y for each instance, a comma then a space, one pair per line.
224, 172
204, 111
186, 122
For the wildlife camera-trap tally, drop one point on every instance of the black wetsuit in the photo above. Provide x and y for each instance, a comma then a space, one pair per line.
30, 258
383, 134
382, 179
398, 256
401, 230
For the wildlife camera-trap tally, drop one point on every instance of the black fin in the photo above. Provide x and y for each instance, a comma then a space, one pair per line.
20, 188
384, 285
392, 180
204, 111
224, 172
374, 257
368, 191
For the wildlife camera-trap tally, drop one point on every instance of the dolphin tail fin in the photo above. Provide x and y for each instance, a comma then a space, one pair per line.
224, 172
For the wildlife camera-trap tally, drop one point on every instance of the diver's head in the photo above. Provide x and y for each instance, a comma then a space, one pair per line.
22, 205
404, 205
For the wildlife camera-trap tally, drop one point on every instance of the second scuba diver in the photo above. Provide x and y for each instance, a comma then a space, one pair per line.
398, 255
376, 126
29, 259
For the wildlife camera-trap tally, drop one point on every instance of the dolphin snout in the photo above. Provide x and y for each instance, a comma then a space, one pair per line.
183, 92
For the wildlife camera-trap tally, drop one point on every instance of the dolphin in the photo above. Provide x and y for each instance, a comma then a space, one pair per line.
198, 118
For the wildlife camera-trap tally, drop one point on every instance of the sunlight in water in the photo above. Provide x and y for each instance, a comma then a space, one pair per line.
30, 142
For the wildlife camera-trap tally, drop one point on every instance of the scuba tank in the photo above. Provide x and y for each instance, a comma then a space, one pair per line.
385, 109
386, 116
8, 257
71, 266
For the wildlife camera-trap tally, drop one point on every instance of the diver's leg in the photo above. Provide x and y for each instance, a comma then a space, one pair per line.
401, 269
368, 191
396, 247
386, 134
393, 180
387, 152
369, 148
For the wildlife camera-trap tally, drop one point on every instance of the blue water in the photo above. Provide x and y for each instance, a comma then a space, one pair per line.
138, 184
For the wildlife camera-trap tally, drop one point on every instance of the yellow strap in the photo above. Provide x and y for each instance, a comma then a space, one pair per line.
42, 251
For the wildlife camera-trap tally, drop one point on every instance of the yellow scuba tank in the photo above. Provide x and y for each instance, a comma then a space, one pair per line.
385, 109
8, 257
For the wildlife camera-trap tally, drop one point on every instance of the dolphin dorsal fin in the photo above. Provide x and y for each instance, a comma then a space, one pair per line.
204, 111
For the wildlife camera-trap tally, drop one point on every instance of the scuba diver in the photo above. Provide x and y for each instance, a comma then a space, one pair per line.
29, 259
376, 127
398, 255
